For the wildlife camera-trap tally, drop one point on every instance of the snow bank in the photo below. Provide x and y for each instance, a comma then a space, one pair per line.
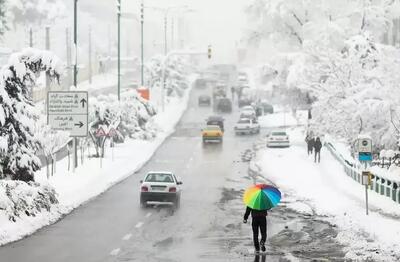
277, 120
337, 198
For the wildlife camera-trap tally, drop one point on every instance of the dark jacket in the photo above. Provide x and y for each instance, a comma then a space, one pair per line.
310, 143
255, 213
317, 145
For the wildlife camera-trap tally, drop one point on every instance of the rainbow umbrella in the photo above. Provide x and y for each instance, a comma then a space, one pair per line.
262, 197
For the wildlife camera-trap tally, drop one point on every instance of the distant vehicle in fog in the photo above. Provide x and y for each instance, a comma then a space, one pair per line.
160, 187
268, 109
224, 105
201, 83
204, 100
216, 120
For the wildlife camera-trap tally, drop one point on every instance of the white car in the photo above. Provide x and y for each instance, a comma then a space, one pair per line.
278, 139
247, 112
160, 187
247, 126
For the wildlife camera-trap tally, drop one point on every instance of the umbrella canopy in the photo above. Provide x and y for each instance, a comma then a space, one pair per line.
262, 197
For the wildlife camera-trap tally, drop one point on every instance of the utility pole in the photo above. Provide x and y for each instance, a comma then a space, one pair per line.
75, 141
142, 42
30, 37
69, 62
119, 47
165, 33
90, 55
172, 33
47, 47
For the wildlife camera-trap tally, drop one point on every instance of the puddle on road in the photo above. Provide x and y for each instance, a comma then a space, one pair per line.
292, 236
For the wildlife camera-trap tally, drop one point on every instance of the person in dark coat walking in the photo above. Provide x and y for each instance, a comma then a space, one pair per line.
310, 144
317, 150
259, 223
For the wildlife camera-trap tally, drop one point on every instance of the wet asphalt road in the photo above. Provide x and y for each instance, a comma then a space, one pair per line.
207, 227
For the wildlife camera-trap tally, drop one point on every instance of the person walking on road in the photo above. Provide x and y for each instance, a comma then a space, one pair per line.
317, 150
310, 143
259, 223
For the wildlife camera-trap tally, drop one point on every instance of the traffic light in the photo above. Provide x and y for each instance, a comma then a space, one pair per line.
209, 52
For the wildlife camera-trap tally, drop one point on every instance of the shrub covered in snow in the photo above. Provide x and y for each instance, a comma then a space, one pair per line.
17, 113
129, 117
19, 199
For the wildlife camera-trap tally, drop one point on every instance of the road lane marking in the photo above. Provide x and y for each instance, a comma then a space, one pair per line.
148, 215
115, 252
139, 225
127, 237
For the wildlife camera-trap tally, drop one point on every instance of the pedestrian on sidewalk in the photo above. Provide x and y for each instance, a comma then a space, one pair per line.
310, 143
317, 150
233, 93
259, 223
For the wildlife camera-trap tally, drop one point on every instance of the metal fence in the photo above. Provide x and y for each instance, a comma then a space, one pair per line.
379, 184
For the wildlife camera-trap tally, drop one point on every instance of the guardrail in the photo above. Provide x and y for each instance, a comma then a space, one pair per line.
379, 185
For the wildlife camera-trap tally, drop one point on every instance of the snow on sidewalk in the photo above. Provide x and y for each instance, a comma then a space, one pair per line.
336, 197
90, 180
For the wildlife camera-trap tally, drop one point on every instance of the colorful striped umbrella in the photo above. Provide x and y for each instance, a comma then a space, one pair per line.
262, 197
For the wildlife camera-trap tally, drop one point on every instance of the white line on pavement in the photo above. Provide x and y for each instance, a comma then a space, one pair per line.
115, 252
127, 237
139, 225
148, 215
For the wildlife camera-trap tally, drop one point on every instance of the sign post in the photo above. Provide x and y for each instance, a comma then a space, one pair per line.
366, 181
364, 145
68, 111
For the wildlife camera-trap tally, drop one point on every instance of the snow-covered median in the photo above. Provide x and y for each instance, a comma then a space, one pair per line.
90, 180
337, 198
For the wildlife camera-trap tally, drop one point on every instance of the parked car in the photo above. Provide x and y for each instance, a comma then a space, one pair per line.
215, 120
212, 134
224, 105
247, 126
204, 100
278, 139
160, 187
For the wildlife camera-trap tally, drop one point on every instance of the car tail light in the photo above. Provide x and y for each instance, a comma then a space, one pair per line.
145, 189
172, 189
205, 134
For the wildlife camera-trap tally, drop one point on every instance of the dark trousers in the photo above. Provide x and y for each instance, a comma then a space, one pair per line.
317, 154
310, 150
259, 224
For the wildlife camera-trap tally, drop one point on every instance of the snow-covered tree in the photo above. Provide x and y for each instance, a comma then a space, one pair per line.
17, 112
36, 11
176, 75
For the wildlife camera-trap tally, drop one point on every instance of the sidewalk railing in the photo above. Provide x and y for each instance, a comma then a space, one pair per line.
380, 185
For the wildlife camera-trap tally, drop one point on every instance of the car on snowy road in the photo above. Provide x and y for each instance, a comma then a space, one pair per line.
247, 126
204, 100
215, 121
278, 139
224, 105
212, 134
160, 187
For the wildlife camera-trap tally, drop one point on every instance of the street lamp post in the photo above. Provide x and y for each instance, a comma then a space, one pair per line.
142, 42
119, 47
75, 140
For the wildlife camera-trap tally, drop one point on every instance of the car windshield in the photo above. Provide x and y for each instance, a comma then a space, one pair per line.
278, 134
159, 178
216, 128
244, 121
213, 123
